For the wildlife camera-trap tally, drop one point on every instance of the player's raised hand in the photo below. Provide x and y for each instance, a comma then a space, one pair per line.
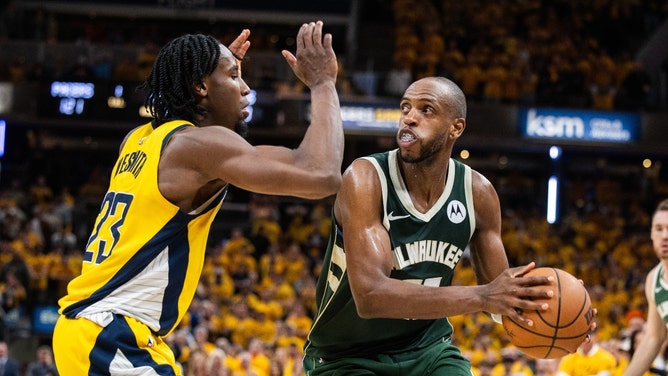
240, 45
315, 60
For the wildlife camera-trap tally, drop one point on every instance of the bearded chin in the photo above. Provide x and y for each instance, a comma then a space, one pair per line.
241, 128
425, 152
411, 159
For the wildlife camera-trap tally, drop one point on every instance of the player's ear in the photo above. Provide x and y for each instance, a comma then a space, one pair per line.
457, 128
200, 89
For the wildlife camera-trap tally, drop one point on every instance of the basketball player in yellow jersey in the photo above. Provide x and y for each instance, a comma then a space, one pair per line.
145, 254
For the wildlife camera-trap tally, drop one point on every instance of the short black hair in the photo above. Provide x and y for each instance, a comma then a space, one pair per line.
180, 66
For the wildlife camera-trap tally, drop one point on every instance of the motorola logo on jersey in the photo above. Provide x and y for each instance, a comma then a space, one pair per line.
456, 211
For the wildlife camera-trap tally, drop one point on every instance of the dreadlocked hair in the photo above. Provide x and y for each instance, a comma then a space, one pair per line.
181, 65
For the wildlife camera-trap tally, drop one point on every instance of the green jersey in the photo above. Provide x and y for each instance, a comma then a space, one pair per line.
426, 248
661, 295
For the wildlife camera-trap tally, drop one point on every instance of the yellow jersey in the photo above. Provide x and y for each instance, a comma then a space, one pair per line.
144, 256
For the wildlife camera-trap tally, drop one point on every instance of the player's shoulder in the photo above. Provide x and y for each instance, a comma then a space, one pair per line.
366, 164
481, 184
360, 169
128, 135
651, 275
194, 139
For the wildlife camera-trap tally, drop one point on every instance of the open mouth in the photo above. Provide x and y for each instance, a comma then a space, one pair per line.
406, 137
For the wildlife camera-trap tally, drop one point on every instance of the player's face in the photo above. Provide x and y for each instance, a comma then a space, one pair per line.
225, 98
659, 234
427, 125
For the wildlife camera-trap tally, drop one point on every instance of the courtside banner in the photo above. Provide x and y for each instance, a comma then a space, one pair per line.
44, 319
576, 125
371, 116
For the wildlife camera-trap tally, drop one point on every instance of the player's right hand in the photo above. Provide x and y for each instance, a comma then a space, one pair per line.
511, 293
315, 60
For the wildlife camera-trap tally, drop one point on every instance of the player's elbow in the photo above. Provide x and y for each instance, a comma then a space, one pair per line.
363, 310
325, 184
370, 311
367, 306
332, 183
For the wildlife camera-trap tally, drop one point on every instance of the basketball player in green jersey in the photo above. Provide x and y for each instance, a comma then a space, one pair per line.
144, 258
402, 221
656, 292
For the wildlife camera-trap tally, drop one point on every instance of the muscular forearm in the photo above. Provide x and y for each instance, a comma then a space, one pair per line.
418, 302
322, 147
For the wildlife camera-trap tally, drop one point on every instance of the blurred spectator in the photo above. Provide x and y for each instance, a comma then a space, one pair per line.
13, 299
40, 191
8, 366
633, 94
197, 362
44, 364
202, 340
65, 238
38, 264
470, 77
178, 342
484, 368
288, 360
14, 264
261, 242
215, 363
589, 359
246, 367
513, 363
259, 360
495, 78
217, 277
64, 267
546, 367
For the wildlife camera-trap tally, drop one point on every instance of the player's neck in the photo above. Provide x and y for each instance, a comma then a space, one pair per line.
425, 184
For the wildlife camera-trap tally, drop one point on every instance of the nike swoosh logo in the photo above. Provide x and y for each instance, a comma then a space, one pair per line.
392, 217
657, 289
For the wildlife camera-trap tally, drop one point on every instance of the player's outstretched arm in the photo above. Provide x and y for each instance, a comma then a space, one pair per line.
312, 170
315, 64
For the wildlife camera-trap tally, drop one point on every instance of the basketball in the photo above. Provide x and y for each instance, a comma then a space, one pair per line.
562, 328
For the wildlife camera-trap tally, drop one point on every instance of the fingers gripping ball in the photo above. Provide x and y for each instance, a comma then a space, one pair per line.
563, 327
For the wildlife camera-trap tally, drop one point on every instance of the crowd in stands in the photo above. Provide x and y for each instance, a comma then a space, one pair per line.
561, 53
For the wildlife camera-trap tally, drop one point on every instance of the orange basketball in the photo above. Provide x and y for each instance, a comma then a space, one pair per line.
563, 327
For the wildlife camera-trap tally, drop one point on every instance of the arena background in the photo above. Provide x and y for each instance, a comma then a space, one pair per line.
66, 103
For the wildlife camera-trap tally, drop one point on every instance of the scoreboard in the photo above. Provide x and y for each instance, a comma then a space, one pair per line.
120, 101
91, 100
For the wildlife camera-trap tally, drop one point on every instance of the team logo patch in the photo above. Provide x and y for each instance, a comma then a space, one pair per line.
456, 211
